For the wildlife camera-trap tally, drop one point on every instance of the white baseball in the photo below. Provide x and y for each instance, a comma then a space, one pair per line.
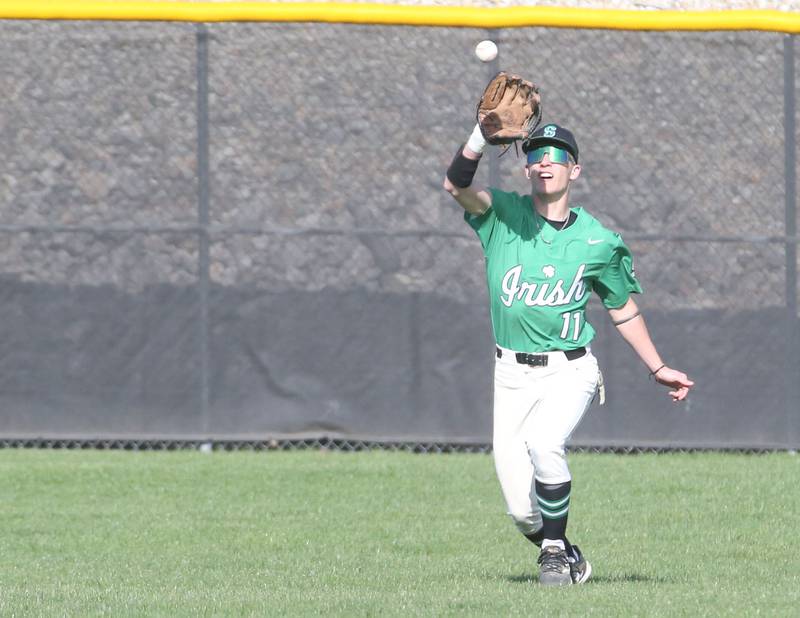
486, 51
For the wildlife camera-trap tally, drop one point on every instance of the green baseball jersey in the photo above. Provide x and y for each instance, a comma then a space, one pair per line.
540, 278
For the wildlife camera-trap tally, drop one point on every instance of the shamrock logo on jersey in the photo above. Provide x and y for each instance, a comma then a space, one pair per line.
549, 271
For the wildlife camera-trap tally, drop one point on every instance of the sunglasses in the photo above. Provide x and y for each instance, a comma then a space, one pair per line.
556, 155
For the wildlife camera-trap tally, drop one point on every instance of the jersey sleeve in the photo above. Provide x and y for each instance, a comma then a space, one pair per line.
486, 225
617, 281
483, 225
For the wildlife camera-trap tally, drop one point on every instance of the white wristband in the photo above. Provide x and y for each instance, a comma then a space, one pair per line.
476, 143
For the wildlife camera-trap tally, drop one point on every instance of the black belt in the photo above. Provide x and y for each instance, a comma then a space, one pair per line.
540, 360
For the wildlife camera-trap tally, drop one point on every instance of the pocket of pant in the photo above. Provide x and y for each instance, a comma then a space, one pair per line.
590, 373
508, 376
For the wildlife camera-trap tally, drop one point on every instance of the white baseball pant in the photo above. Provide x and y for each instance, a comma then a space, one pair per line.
536, 409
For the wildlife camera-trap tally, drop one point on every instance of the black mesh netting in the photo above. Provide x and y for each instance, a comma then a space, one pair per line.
312, 281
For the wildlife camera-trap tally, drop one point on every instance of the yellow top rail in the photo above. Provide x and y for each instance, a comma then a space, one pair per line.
383, 14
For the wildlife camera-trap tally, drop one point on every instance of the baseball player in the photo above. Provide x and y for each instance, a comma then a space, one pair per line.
543, 260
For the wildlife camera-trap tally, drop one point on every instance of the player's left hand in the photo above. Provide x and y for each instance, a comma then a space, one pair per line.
677, 380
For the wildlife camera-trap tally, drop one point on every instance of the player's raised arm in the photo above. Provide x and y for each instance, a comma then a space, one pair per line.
509, 110
458, 180
631, 325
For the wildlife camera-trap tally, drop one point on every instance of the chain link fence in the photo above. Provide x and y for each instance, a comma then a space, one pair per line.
237, 233
339, 445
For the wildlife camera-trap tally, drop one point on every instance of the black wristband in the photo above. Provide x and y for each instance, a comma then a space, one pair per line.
462, 170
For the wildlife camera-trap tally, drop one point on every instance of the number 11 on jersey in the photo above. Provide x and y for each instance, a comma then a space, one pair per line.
573, 318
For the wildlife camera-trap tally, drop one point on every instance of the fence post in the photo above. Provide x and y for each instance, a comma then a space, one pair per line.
201, 35
790, 158
493, 68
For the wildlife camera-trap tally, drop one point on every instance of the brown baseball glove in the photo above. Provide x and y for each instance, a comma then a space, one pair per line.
510, 109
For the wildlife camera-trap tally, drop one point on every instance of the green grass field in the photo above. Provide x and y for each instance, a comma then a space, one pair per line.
379, 533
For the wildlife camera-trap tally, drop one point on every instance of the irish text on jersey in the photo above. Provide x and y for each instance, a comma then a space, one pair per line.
545, 294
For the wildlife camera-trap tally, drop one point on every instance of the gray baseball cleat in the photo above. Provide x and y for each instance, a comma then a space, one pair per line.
579, 567
554, 567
